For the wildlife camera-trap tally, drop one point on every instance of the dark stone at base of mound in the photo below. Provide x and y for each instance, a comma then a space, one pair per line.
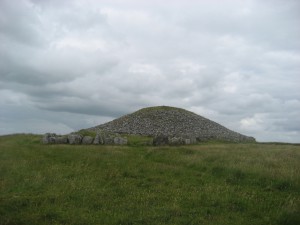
164, 140
98, 140
87, 140
160, 140
51, 138
75, 139
61, 140
120, 141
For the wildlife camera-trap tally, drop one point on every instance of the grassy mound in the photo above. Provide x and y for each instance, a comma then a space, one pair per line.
212, 183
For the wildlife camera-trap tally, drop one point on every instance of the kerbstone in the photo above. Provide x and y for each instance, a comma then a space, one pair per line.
87, 140
75, 139
120, 141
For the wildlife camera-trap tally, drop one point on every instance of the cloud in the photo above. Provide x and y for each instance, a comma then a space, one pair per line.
25, 29
74, 64
253, 123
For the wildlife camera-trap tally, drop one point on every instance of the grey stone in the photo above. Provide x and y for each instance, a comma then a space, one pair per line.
87, 140
190, 141
101, 138
160, 140
187, 141
74, 139
175, 140
106, 137
120, 141
96, 140
61, 140
108, 140
49, 138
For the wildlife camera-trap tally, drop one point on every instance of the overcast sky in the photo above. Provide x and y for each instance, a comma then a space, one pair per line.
68, 65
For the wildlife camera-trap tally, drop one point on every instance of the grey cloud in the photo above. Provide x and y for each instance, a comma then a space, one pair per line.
85, 106
53, 66
78, 64
20, 23
263, 23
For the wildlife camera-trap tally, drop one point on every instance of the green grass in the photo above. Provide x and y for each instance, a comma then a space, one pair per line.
212, 183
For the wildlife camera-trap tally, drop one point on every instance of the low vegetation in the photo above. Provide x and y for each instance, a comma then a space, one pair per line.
210, 183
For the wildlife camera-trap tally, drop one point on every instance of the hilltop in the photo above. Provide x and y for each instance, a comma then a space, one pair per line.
170, 122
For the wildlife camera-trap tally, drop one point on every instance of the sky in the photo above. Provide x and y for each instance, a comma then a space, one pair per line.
68, 65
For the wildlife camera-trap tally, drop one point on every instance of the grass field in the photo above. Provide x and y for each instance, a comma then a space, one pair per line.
202, 184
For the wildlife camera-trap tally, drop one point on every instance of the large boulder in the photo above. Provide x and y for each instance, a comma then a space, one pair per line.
98, 140
160, 140
108, 140
75, 139
87, 140
120, 141
49, 138
61, 140
175, 141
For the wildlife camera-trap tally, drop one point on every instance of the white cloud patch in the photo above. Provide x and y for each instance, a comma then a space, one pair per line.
254, 123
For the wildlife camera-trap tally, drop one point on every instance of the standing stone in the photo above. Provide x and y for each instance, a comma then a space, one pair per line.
97, 140
120, 141
87, 140
101, 138
106, 138
74, 139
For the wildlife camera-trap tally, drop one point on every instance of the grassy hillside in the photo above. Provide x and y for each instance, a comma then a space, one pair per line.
202, 184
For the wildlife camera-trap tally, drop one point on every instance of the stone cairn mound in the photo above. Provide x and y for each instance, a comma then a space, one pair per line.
166, 125
170, 125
